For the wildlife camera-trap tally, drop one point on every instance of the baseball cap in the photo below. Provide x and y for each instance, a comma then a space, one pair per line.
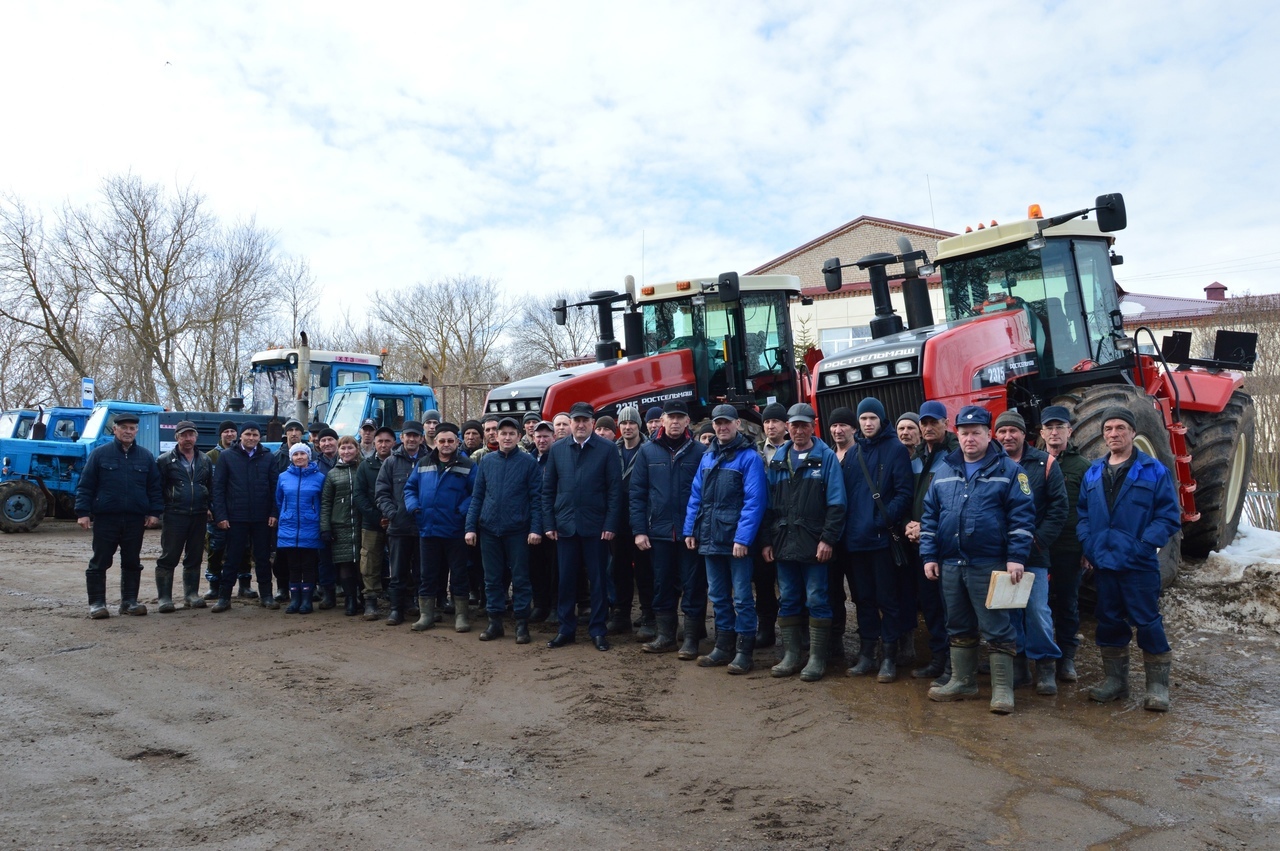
543, 425
801, 413
1055, 414
724, 412
369, 423
973, 415
582, 409
934, 410
505, 422
674, 406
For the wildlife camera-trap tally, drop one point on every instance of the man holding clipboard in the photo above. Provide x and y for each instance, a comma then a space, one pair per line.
978, 517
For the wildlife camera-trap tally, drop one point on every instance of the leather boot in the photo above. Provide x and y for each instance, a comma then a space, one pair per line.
765, 635
648, 630
97, 587
191, 589
295, 598
819, 641
689, 649
742, 662
1045, 682
1115, 664
722, 653
522, 631
619, 621
889, 665
1067, 665
494, 629
265, 599
1021, 671
308, 598
247, 593
370, 607
790, 628
866, 663
664, 640
964, 676
350, 597
461, 614
1156, 666
427, 610
327, 600
1002, 665
937, 662
129, 582
164, 590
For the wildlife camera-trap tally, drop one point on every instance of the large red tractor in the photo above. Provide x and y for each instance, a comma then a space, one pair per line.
1032, 319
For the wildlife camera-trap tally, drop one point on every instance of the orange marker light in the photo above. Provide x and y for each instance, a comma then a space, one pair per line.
1033, 212
968, 229
683, 285
649, 290
993, 223
981, 226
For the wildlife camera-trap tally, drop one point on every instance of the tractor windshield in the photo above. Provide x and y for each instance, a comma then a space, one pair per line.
1066, 287
273, 389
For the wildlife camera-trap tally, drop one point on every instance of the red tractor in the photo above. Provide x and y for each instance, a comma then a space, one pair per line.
707, 341
1032, 319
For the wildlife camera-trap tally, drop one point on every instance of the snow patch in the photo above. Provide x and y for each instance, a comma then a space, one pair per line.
1236, 589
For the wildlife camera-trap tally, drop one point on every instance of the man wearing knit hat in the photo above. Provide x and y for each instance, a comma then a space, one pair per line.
631, 570
765, 573
1128, 510
607, 428
908, 428
653, 420
1066, 556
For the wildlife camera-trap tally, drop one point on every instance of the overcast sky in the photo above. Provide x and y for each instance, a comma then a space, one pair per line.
554, 145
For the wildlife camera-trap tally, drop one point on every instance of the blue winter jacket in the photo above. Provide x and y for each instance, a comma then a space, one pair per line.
661, 484
728, 499
507, 497
1146, 516
889, 463
438, 496
298, 492
582, 488
988, 518
244, 487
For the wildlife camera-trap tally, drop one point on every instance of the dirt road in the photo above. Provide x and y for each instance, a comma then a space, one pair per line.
252, 729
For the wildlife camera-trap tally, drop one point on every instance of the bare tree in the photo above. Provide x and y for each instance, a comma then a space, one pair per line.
539, 345
452, 327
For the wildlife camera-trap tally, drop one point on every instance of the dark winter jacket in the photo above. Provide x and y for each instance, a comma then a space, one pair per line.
728, 498
661, 485
389, 490
1145, 517
338, 513
989, 518
889, 463
1049, 492
366, 493
507, 498
1073, 466
186, 492
926, 464
438, 495
244, 487
116, 481
325, 463
582, 488
628, 466
807, 503
298, 506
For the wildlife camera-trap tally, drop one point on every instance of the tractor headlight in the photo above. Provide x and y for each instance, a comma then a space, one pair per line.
902, 367
853, 375
880, 370
831, 379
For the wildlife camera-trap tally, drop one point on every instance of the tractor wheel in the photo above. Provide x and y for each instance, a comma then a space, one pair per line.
21, 506
1087, 407
1221, 447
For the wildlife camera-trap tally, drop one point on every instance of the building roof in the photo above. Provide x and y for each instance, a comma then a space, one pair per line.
1145, 308
845, 228
854, 288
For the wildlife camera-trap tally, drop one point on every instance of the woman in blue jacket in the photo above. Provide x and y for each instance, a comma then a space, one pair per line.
298, 492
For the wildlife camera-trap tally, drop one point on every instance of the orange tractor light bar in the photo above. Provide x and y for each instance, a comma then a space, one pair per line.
649, 290
1033, 212
683, 285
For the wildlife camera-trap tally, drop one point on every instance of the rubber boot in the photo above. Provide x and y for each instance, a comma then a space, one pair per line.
689, 649
648, 630
765, 635
1021, 671
742, 662
1067, 665
819, 641
350, 597
790, 629
964, 676
445, 605
247, 593
522, 631
866, 663
308, 598
722, 653
396, 616
494, 629
835, 649
212, 593
97, 587
412, 610
327, 600
937, 662
427, 612
222, 605
889, 665
539, 614
1156, 666
191, 589
1045, 682
295, 598
1115, 665
945, 676
129, 582
164, 590
213, 572
1002, 665
906, 650
461, 614
265, 599
370, 607
619, 621
664, 640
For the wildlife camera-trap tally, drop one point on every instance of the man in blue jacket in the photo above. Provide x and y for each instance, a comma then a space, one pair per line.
1128, 510
978, 518
582, 511
437, 494
661, 486
244, 504
505, 519
118, 497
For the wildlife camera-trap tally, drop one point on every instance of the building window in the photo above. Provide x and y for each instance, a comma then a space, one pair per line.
836, 340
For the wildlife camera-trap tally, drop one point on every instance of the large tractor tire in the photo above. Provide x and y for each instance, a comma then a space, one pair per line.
1087, 407
22, 506
1221, 447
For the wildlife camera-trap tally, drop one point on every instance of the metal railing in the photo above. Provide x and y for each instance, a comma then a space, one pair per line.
1262, 508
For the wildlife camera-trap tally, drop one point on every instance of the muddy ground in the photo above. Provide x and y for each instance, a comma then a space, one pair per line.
252, 729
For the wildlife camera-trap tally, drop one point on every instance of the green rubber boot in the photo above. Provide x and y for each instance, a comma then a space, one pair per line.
789, 665
964, 675
1157, 667
427, 614
1115, 664
1002, 665
819, 636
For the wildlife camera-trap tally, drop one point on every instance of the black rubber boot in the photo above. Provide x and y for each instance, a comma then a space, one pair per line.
906, 650
819, 641
264, 596
765, 635
790, 628
308, 598
866, 664
247, 593
1156, 666
327, 600
742, 662
1021, 671
689, 649
191, 589
212, 593
97, 587
722, 653
648, 630
164, 590
396, 616
889, 665
835, 649
295, 598
370, 607
129, 582
446, 606
664, 640
427, 610
494, 629
539, 614
522, 631
1067, 665
945, 676
937, 662
1002, 666
222, 605
963, 681
619, 621
1045, 682
351, 597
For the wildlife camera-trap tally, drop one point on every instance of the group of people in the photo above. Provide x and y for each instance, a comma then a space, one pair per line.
552, 521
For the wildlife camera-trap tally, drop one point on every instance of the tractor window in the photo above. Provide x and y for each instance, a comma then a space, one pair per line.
768, 360
1098, 288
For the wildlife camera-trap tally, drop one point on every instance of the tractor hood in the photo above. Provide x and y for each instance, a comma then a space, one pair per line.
895, 356
527, 393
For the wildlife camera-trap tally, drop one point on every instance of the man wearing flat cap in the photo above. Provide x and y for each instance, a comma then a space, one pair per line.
118, 497
186, 477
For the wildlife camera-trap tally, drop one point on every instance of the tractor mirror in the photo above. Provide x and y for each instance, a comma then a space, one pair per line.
831, 274
561, 311
1111, 216
727, 285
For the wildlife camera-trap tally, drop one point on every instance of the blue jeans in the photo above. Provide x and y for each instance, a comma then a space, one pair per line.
590, 553
801, 585
1034, 624
503, 556
729, 587
678, 572
1129, 597
964, 589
